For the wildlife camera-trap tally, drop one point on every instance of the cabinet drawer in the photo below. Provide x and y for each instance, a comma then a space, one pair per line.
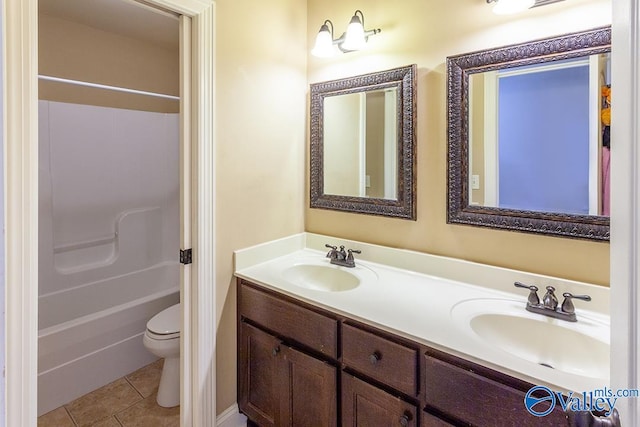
364, 405
469, 395
307, 327
386, 361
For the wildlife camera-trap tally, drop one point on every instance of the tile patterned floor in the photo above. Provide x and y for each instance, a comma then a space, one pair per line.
127, 402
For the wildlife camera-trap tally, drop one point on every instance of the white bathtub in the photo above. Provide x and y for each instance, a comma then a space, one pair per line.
91, 334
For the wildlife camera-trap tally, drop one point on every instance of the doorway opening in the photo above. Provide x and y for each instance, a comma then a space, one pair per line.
109, 206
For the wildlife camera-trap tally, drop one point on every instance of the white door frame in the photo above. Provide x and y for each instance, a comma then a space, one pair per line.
20, 138
625, 209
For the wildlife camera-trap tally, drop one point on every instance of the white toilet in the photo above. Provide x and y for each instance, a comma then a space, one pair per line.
162, 338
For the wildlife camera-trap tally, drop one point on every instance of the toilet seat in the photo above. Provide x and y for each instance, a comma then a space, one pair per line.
162, 337
165, 325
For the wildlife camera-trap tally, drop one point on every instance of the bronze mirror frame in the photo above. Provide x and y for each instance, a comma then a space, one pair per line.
459, 67
404, 79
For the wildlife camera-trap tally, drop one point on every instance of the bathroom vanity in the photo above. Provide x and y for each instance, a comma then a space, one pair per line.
299, 365
322, 357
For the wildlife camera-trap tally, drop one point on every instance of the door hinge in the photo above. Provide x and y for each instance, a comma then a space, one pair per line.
185, 256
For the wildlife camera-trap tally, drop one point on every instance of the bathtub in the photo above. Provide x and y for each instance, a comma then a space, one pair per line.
90, 335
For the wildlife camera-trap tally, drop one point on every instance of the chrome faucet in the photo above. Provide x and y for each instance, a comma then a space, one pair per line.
549, 306
342, 257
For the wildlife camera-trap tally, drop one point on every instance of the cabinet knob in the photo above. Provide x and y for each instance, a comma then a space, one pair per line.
375, 357
405, 418
275, 350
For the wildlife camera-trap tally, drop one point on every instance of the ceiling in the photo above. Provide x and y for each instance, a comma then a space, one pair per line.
125, 17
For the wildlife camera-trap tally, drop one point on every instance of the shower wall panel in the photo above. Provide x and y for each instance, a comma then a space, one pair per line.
102, 170
108, 242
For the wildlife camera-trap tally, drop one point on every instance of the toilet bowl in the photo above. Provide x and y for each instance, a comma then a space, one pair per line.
162, 338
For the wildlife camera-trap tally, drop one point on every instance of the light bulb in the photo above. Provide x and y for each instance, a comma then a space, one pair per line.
324, 43
354, 38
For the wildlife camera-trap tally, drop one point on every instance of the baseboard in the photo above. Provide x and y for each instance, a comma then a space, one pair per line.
231, 417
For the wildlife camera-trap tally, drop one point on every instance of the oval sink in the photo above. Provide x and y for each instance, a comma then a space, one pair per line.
321, 277
580, 348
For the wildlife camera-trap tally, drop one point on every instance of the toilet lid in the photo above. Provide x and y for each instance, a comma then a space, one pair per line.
166, 322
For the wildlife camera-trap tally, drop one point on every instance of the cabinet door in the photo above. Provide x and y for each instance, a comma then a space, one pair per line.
258, 376
364, 405
309, 392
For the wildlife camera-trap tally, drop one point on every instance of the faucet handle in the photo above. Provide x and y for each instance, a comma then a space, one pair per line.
533, 293
567, 304
351, 252
333, 250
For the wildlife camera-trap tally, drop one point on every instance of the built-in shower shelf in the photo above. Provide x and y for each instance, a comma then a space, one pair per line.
86, 244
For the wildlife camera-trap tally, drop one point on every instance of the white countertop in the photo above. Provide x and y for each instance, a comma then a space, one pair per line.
419, 306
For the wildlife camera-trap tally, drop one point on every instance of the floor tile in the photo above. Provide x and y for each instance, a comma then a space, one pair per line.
147, 378
148, 413
56, 418
103, 402
109, 422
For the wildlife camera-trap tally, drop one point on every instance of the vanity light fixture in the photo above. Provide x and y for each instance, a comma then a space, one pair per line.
355, 38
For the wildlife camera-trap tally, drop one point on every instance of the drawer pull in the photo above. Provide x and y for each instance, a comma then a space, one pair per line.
405, 418
375, 357
275, 350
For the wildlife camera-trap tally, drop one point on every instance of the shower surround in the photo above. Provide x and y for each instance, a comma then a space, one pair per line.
108, 242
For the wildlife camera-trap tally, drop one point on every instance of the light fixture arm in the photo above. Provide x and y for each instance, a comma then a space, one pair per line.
327, 21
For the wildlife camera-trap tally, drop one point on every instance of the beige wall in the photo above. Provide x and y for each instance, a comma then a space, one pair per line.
74, 51
425, 33
260, 136
341, 145
476, 133
375, 143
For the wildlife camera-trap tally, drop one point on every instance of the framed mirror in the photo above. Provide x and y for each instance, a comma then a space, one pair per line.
528, 136
363, 149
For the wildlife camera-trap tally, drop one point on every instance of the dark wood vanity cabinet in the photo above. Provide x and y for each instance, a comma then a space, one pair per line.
365, 405
259, 375
386, 392
279, 384
381, 359
303, 366
475, 395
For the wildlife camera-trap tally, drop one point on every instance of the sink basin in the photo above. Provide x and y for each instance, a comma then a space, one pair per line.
580, 348
322, 277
